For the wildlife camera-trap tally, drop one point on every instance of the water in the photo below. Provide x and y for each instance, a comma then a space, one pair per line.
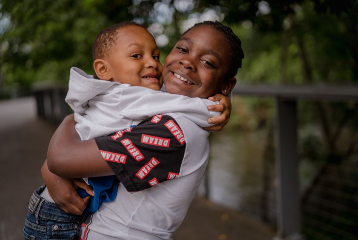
235, 172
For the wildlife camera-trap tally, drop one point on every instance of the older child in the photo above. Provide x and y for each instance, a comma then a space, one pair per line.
124, 55
202, 63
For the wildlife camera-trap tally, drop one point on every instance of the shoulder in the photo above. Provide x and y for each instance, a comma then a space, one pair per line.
177, 126
192, 131
197, 145
160, 148
193, 139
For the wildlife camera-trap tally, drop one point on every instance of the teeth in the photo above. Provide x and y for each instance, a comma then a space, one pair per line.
183, 79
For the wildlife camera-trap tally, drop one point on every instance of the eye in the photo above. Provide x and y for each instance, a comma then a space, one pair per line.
156, 57
137, 56
181, 49
208, 64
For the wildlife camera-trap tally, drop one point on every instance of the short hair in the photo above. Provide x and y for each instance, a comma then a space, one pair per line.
236, 53
106, 39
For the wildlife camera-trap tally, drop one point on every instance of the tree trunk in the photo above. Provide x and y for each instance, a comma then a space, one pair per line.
283, 58
1, 79
176, 18
353, 38
320, 106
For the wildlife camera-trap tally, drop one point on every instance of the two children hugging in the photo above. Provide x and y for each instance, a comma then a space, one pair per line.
126, 56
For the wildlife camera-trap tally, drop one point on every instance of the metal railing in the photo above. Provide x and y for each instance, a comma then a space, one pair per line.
50, 101
288, 191
51, 105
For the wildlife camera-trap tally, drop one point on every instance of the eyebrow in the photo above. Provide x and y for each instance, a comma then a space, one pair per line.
138, 45
207, 50
134, 44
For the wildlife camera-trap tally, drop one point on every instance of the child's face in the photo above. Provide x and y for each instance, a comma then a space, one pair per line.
135, 59
198, 63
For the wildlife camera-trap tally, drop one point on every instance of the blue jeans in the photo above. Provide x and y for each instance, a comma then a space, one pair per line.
45, 220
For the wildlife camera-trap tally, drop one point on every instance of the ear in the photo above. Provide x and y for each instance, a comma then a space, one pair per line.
102, 69
228, 86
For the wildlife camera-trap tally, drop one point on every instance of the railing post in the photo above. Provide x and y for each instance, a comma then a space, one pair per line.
288, 194
64, 111
39, 95
59, 105
47, 104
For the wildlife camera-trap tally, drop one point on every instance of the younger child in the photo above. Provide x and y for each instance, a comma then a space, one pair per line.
125, 55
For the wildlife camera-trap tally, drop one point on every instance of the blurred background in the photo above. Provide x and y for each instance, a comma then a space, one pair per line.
304, 42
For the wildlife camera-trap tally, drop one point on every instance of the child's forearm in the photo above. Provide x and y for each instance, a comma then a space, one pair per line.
70, 157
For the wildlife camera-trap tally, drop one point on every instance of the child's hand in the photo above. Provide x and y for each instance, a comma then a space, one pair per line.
224, 107
63, 192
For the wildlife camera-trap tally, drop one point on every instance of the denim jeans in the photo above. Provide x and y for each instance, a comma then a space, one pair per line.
45, 220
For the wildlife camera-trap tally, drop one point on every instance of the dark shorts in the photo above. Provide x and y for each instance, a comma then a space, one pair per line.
45, 220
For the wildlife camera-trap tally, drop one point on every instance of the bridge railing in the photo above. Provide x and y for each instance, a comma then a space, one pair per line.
51, 105
50, 101
288, 190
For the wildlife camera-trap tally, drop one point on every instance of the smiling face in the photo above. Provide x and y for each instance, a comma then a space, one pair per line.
134, 59
198, 64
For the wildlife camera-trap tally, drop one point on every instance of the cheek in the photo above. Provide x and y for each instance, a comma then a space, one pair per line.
160, 67
211, 83
170, 58
209, 78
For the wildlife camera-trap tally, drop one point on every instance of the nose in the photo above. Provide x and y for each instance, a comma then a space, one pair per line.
150, 62
187, 63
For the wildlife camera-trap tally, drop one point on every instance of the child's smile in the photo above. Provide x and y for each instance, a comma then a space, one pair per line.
181, 78
152, 77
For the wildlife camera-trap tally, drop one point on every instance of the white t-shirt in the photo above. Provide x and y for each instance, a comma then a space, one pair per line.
158, 210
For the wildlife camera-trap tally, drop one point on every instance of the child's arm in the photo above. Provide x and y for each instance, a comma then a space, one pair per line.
63, 191
129, 154
70, 157
224, 107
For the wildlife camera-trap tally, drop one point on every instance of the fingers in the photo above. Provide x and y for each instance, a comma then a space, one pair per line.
216, 108
70, 202
76, 206
217, 97
71, 209
86, 200
82, 184
89, 190
215, 128
78, 203
224, 104
220, 122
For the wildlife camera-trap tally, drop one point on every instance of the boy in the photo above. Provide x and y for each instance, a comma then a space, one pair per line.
124, 55
199, 65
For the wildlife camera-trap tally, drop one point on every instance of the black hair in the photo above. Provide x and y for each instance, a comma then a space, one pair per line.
106, 39
236, 53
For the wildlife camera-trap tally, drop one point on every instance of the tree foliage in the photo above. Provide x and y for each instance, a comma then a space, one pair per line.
41, 40
286, 42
